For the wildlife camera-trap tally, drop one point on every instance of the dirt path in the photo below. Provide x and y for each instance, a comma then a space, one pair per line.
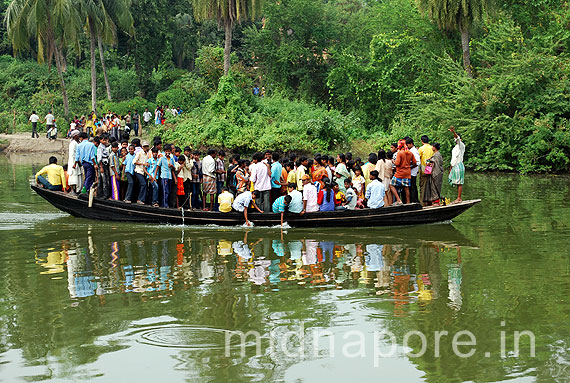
23, 143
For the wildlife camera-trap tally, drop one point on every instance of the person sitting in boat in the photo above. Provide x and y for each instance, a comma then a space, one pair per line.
242, 202
280, 205
55, 176
375, 191
296, 205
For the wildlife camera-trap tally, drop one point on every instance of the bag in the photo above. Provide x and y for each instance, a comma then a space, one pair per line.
428, 169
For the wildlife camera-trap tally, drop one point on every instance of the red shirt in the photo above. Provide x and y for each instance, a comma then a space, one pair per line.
404, 160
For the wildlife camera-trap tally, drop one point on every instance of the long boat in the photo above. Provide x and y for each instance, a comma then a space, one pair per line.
110, 210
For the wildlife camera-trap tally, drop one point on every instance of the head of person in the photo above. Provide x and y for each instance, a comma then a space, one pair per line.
275, 156
287, 200
145, 146
256, 194
357, 171
347, 183
74, 135
52, 160
187, 151
435, 146
146, 109
373, 158
177, 151
221, 154
335, 187
241, 164
304, 161
136, 142
124, 143
83, 136
168, 149
341, 158
381, 155
154, 152
131, 149
225, 190
212, 152
306, 179
409, 142
257, 157
124, 151
349, 156
318, 160
394, 147
181, 159
267, 155
105, 139
115, 147
196, 155
33, 112
96, 140
402, 145
289, 166
291, 186
374, 174
424, 139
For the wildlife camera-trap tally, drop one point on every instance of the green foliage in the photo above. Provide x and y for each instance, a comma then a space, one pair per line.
234, 119
122, 107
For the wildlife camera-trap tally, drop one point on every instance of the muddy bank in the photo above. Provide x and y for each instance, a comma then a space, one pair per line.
23, 143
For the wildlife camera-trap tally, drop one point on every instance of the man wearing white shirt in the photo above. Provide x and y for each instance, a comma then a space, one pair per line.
310, 203
50, 119
34, 118
209, 177
457, 170
415, 168
261, 178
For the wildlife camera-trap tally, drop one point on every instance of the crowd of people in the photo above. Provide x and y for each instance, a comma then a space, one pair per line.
166, 175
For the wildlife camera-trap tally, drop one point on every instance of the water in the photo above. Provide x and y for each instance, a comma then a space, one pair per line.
99, 301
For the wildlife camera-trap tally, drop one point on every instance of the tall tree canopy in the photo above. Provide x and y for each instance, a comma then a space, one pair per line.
227, 13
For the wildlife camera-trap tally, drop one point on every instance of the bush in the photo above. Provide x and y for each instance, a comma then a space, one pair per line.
188, 93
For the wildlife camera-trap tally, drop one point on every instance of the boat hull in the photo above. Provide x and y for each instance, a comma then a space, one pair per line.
108, 210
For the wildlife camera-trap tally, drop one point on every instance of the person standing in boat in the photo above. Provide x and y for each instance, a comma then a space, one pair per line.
85, 156
73, 171
431, 192
310, 195
457, 169
426, 152
402, 178
209, 178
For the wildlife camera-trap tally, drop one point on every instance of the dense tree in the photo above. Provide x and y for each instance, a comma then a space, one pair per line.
53, 24
454, 15
227, 13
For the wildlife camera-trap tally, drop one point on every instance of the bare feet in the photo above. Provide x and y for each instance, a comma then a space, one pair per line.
458, 200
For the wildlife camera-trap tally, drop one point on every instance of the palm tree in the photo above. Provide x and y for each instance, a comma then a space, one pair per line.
227, 13
100, 16
53, 24
456, 14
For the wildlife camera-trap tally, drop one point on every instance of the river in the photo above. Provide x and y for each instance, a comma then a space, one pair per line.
100, 302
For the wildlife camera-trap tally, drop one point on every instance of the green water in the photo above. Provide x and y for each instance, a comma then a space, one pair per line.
96, 301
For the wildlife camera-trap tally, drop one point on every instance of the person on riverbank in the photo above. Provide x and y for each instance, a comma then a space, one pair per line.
85, 156
74, 172
34, 118
55, 176
431, 192
457, 169
49, 120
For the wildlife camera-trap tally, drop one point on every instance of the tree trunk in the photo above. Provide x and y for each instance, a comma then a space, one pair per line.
227, 46
62, 81
102, 57
92, 38
465, 37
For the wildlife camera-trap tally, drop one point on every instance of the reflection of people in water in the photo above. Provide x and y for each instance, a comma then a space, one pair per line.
454, 278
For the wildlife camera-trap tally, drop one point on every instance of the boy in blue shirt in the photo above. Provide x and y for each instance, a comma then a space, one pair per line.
151, 170
166, 166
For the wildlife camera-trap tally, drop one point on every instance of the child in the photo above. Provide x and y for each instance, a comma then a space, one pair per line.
151, 171
68, 188
339, 197
114, 170
358, 182
351, 197
166, 165
179, 171
225, 200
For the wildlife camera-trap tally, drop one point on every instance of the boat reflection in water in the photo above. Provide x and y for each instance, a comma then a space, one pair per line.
388, 266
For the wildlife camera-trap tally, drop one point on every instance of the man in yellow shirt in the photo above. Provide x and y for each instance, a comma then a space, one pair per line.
225, 200
426, 152
55, 176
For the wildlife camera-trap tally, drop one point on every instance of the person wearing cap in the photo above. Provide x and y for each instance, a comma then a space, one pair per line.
310, 195
140, 161
73, 172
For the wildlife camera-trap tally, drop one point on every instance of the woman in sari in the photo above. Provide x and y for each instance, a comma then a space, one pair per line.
341, 172
319, 171
384, 169
432, 187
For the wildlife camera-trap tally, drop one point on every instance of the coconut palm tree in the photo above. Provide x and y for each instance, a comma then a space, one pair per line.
101, 20
454, 15
227, 13
52, 24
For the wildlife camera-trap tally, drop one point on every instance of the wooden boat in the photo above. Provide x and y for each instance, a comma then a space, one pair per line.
109, 210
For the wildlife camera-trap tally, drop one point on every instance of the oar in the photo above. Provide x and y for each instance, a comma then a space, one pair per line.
91, 195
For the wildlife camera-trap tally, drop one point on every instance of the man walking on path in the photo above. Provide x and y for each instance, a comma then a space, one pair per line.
34, 118
50, 119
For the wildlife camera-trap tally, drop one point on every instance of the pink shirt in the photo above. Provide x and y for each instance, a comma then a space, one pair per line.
259, 176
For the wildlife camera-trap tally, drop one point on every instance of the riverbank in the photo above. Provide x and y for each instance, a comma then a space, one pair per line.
23, 143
